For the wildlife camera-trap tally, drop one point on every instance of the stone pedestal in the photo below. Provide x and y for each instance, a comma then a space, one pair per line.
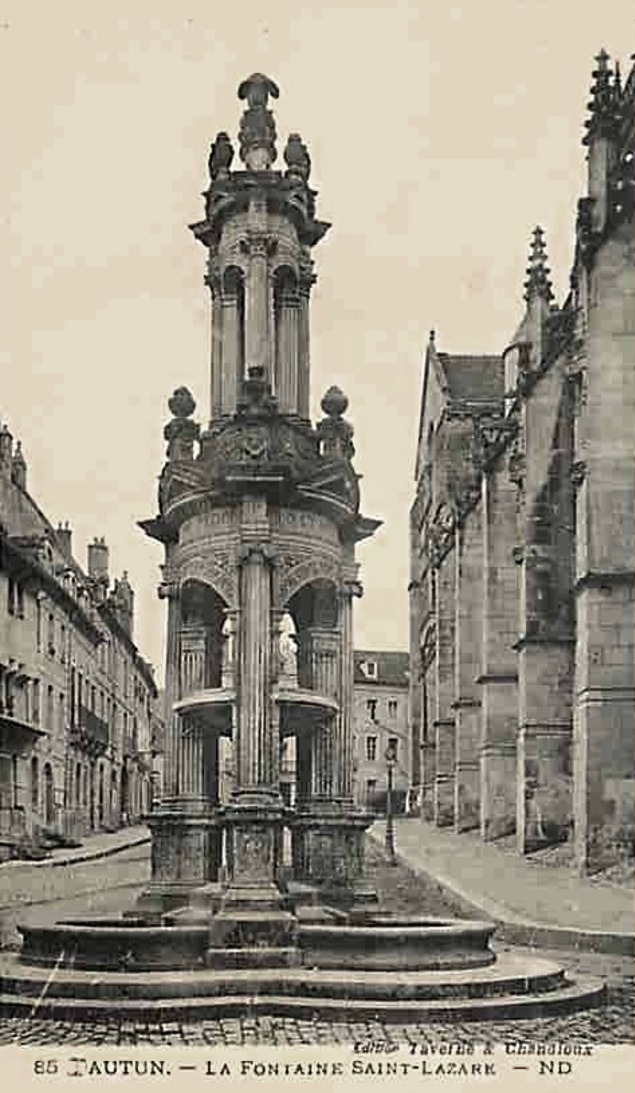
329, 854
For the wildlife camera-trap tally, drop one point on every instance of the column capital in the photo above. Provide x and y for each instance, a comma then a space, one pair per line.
169, 590
350, 589
254, 550
258, 244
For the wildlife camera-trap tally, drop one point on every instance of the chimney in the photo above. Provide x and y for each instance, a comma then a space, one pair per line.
18, 467
98, 561
64, 536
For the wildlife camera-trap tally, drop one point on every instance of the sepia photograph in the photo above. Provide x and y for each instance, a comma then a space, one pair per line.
317, 541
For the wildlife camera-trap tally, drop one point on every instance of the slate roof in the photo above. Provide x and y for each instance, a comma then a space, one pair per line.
474, 378
392, 668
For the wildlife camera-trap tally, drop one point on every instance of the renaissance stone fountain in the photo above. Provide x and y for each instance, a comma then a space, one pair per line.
257, 898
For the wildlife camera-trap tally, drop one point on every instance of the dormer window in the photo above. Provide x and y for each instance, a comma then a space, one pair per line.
369, 668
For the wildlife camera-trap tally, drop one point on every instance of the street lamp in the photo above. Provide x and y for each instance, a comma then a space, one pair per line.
391, 759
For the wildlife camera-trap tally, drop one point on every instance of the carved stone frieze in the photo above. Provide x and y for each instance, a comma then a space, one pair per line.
298, 568
217, 569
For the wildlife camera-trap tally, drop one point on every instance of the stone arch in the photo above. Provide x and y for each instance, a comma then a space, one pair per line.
233, 293
203, 614
217, 571
296, 572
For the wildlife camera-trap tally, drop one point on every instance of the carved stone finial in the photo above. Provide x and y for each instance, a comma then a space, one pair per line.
220, 157
257, 134
297, 158
334, 402
537, 283
180, 432
181, 403
257, 89
336, 434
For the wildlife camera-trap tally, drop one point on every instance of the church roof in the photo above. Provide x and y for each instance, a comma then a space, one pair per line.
474, 378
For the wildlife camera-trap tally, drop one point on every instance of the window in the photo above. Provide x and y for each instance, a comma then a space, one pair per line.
50, 635
50, 709
20, 600
62, 643
11, 596
371, 708
369, 668
36, 701
371, 748
393, 745
35, 784
392, 707
62, 712
371, 789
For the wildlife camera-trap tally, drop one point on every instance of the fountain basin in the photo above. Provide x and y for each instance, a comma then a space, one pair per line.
376, 942
114, 944
393, 943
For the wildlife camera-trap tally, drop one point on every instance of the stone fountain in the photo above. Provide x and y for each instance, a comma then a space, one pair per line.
257, 898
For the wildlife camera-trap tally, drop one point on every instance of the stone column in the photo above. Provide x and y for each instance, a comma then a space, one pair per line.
444, 724
467, 703
499, 674
255, 753
217, 345
304, 359
257, 309
172, 677
287, 351
229, 351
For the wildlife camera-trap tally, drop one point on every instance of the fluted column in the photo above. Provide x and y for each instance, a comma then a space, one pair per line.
304, 350
230, 363
193, 650
344, 739
257, 306
217, 345
170, 776
254, 748
287, 352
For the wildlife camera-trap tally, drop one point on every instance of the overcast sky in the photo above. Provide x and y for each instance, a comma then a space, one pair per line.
440, 134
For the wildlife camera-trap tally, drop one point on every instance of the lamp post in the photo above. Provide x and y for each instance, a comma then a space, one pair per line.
391, 758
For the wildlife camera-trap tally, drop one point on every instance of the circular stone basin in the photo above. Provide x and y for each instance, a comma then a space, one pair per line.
393, 942
112, 944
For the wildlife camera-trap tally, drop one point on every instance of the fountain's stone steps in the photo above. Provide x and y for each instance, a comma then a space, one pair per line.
515, 986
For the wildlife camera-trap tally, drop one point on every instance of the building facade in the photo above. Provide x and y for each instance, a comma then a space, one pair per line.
78, 714
522, 699
380, 723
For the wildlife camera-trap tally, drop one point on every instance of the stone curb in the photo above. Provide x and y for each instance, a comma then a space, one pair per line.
77, 858
516, 930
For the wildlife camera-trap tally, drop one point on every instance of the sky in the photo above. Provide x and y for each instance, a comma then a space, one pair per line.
440, 134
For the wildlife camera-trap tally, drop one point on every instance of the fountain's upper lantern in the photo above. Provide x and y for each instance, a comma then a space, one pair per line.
257, 137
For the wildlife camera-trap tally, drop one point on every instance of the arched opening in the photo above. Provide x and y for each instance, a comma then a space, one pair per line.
233, 332
49, 796
285, 328
35, 784
203, 643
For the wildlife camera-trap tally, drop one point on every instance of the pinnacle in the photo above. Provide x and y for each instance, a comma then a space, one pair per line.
537, 283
